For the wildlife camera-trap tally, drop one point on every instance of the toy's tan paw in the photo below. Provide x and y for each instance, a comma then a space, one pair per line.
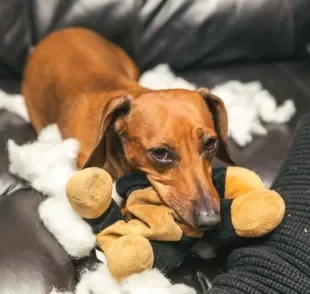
129, 255
89, 192
257, 213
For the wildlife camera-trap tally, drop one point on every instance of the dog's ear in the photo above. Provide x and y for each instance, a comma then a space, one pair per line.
108, 141
219, 114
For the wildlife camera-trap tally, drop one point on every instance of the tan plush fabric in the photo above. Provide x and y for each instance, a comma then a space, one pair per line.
148, 218
89, 192
240, 181
126, 244
256, 213
189, 231
129, 255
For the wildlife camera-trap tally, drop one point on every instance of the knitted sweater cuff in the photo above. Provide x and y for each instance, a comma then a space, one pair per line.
280, 262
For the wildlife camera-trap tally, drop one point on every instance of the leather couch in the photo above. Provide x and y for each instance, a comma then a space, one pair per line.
31, 260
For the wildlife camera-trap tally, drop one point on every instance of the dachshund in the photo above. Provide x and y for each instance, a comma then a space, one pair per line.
89, 87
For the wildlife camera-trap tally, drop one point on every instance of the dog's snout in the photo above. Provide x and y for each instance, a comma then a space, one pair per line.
206, 220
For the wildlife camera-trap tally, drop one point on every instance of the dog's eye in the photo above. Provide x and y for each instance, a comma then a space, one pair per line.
161, 155
210, 145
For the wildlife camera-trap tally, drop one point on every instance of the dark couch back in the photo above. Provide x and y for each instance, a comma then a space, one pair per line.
179, 32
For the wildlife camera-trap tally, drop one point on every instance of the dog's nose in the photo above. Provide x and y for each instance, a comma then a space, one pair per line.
206, 220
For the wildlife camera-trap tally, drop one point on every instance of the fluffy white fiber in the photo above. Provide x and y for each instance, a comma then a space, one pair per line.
99, 281
16, 105
49, 162
247, 104
161, 77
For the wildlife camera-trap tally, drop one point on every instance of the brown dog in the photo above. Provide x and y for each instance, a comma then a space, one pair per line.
89, 88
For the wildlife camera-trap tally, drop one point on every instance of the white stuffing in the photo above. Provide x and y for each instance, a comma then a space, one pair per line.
99, 281
69, 229
247, 104
14, 103
47, 164
162, 77
153, 282
55, 291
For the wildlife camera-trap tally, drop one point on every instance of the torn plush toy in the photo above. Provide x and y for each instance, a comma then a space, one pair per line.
146, 233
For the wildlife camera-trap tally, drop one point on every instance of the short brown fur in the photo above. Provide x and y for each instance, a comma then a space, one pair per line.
89, 88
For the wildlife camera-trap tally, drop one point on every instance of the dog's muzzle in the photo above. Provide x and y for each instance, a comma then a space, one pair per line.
206, 220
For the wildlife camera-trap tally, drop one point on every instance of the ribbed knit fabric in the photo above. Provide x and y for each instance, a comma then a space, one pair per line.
279, 263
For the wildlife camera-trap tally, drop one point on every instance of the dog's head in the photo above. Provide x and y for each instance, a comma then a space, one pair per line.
172, 136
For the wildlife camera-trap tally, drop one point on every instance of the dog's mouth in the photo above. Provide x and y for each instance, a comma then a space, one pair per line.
182, 219
188, 229
182, 208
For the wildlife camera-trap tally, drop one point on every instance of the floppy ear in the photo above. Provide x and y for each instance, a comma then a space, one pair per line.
219, 115
116, 108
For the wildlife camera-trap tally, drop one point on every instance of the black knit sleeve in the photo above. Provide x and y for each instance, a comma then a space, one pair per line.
280, 262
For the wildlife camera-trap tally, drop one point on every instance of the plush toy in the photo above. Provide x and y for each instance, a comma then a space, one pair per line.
145, 233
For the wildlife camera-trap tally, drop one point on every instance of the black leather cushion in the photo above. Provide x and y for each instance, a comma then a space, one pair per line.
199, 32
15, 35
